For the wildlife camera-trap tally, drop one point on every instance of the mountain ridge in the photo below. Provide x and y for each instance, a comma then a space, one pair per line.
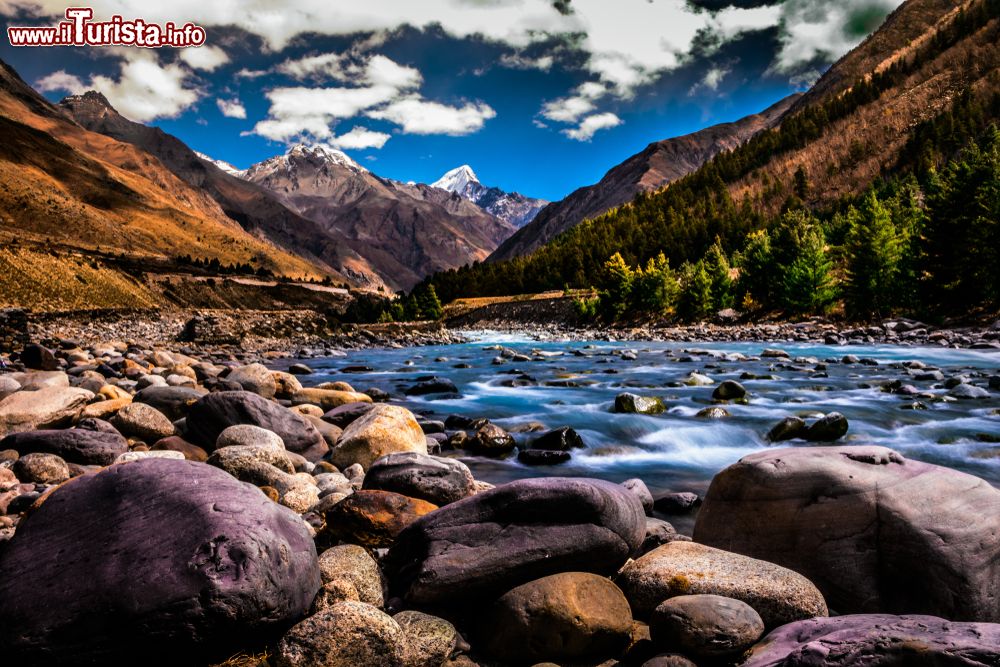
511, 207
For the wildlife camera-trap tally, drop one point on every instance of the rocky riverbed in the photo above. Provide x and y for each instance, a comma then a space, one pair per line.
168, 507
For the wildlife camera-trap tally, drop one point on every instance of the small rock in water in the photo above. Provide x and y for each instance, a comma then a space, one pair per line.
300, 369
730, 390
714, 412
635, 404
698, 380
968, 391
491, 440
432, 385
788, 428
561, 439
542, 457
831, 427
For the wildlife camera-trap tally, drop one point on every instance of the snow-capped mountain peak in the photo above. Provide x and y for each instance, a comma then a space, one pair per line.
224, 166
324, 154
457, 180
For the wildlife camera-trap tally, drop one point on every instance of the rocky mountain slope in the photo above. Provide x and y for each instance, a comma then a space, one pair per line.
405, 231
657, 165
511, 207
256, 209
62, 184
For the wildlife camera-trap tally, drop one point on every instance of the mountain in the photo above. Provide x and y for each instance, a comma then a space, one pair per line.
902, 104
255, 208
658, 165
222, 164
65, 186
511, 207
406, 231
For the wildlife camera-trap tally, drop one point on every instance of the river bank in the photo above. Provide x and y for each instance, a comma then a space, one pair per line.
352, 509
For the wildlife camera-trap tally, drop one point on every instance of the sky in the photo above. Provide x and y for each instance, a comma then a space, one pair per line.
537, 96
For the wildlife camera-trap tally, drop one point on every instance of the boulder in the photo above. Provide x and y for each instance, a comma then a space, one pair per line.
352, 566
633, 403
223, 568
138, 455
343, 415
104, 409
177, 444
730, 390
437, 480
430, 640
559, 439
542, 457
874, 531
142, 421
432, 385
568, 616
788, 428
374, 518
827, 429
506, 536
255, 378
39, 358
705, 627
174, 402
328, 399
382, 430
286, 385
8, 386
72, 445
658, 533
50, 407
491, 440
878, 640
714, 412
41, 469
214, 413
348, 634
641, 491
778, 594
678, 503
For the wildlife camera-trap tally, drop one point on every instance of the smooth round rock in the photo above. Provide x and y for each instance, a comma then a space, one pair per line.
564, 616
730, 390
214, 413
778, 594
348, 634
223, 567
878, 640
354, 567
142, 421
41, 469
705, 627
374, 518
827, 429
503, 537
876, 532
249, 435
383, 430
76, 445
255, 378
430, 640
174, 402
491, 440
49, 407
633, 403
641, 491
437, 480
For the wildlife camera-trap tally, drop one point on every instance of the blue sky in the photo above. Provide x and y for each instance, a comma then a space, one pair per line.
537, 96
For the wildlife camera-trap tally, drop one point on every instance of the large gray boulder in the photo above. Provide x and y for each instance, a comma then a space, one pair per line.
50, 407
878, 640
158, 561
382, 430
489, 543
214, 413
435, 479
76, 445
874, 531
174, 402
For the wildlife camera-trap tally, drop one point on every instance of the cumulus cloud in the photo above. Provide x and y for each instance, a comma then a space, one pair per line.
144, 90
711, 80
816, 29
231, 108
208, 58
359, 138
591, 125
418, 116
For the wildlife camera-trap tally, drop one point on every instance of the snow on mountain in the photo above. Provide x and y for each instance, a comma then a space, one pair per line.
457, 180
224, 166
315, 155
512, 207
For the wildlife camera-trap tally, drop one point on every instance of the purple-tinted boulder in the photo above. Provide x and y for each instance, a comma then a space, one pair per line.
214, 413
878, 640
489, 543
342, 415
73, 445
154, 562
874, 531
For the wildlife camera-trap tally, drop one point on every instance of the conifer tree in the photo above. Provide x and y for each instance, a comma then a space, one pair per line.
874, 251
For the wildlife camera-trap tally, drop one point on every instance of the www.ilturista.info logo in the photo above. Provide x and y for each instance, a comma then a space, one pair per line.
79, 30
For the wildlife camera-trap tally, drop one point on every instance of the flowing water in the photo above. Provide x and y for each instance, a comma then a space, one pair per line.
677, 451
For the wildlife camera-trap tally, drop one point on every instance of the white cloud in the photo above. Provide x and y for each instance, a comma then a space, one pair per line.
817, 29
519, 61
418, 116
591, 125
567, 109
208, 58
145, 90
231, 108
359, 138
710, 82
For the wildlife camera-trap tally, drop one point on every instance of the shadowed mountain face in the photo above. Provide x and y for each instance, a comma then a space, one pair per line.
405, 231
511, 207
659, 164
256, 209
65, 185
